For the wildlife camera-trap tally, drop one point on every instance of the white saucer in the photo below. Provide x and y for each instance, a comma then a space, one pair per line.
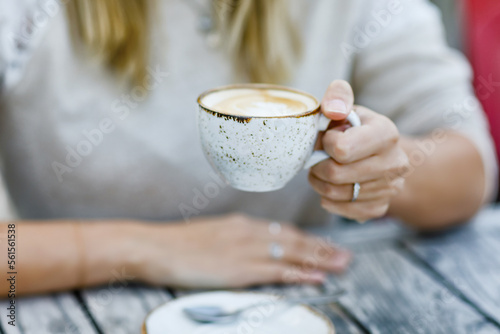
273, 318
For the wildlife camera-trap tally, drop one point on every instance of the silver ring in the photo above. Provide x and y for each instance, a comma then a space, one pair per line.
274, 228
276, 251
355, 193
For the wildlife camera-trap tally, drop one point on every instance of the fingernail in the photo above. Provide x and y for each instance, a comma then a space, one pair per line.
341, 259
337, 106
317, 276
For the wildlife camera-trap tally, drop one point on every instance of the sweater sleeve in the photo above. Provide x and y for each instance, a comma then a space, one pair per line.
404, 69
21, 24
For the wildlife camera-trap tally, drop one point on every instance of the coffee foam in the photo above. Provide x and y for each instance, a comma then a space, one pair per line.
259, 102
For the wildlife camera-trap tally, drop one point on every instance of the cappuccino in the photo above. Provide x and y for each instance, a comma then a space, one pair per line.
259, 102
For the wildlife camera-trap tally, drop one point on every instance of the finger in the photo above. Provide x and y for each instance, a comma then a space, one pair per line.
334, 125
371, 190
307, 251
278, 272
389, 165
313, 253
376, 134
338, 100
359, 211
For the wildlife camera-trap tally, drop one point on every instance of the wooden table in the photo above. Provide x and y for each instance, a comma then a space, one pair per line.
399, 283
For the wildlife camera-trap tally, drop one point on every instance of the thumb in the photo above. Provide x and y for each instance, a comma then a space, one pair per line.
338, 100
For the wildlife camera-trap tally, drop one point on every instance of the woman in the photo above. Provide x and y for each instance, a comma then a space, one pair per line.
98, 135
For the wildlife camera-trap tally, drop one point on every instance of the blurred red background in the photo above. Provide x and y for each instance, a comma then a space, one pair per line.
482, 45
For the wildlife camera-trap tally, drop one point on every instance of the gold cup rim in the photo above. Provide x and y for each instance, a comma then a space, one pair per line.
259, 86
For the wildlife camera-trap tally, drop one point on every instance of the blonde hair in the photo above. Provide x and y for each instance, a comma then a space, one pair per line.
115, 31
258, 35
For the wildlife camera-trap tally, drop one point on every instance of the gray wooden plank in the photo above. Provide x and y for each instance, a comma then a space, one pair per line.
487, 219
153, 297
348, 233
388, 293
470, 261
58, 314
79, 321
6, 328
121, 310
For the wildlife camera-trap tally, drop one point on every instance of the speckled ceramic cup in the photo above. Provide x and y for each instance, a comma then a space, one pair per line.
261, 153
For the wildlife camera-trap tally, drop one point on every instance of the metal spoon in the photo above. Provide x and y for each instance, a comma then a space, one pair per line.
217, 314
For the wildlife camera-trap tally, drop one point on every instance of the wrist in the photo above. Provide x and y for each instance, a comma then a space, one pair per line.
109, 251
151, 251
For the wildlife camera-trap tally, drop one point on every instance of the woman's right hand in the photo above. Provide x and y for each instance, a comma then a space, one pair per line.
232, 251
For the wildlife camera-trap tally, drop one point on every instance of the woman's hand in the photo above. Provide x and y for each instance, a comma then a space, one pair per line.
369, 155
232, 251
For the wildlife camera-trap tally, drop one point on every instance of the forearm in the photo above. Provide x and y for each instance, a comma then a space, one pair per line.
52, 256
444, 184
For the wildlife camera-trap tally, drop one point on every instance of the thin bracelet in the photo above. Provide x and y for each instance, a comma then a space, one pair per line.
80, 242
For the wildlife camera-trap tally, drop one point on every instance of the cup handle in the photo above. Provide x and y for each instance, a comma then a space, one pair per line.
318, 156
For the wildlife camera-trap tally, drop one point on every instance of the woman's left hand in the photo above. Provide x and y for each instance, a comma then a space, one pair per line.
369, 155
